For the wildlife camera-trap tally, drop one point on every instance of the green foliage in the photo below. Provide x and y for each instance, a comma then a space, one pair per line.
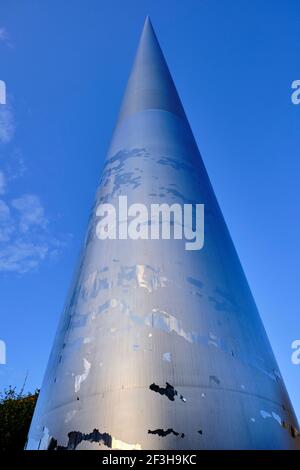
16, 410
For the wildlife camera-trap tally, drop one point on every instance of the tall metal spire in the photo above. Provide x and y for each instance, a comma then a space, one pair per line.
160, 347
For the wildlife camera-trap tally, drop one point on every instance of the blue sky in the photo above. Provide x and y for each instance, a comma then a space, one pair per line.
65, 64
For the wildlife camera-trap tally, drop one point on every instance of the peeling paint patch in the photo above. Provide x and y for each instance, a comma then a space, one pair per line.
167, 322
226, 304
93, 285
70, 347
114, 173
88, 339
167, 357
120, 445
82, 377
70, 415
52, 444
214, 340
195, 282
104, 307
176, 164
164, 433
76, 437
214, 378
266, 414
143, 276
79, 321
169, 391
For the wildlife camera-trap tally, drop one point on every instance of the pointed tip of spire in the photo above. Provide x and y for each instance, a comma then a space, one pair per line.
147, 23
150, 85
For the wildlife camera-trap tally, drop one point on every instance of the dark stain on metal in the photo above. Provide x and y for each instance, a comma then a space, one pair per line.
195, 282
294, 432
52, 444
169, 391
164, 433
214, 378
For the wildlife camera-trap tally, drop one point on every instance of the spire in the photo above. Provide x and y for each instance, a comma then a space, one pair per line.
150, 85
162, 320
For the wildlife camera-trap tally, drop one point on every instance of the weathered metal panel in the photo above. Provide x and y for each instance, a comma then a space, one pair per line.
159, 347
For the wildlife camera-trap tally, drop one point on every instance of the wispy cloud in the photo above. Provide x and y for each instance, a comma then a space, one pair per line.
25, 240
22, 256
31, 212
4, 37
7, 124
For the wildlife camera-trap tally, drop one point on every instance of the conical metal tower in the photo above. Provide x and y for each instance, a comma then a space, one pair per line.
160, 347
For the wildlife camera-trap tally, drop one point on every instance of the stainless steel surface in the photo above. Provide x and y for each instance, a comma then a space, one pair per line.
159, 347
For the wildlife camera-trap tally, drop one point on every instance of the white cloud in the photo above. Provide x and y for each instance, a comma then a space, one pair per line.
7, 124
21, 256
25, 240
31, 212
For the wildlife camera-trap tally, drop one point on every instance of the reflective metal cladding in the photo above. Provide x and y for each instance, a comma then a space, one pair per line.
159, 347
